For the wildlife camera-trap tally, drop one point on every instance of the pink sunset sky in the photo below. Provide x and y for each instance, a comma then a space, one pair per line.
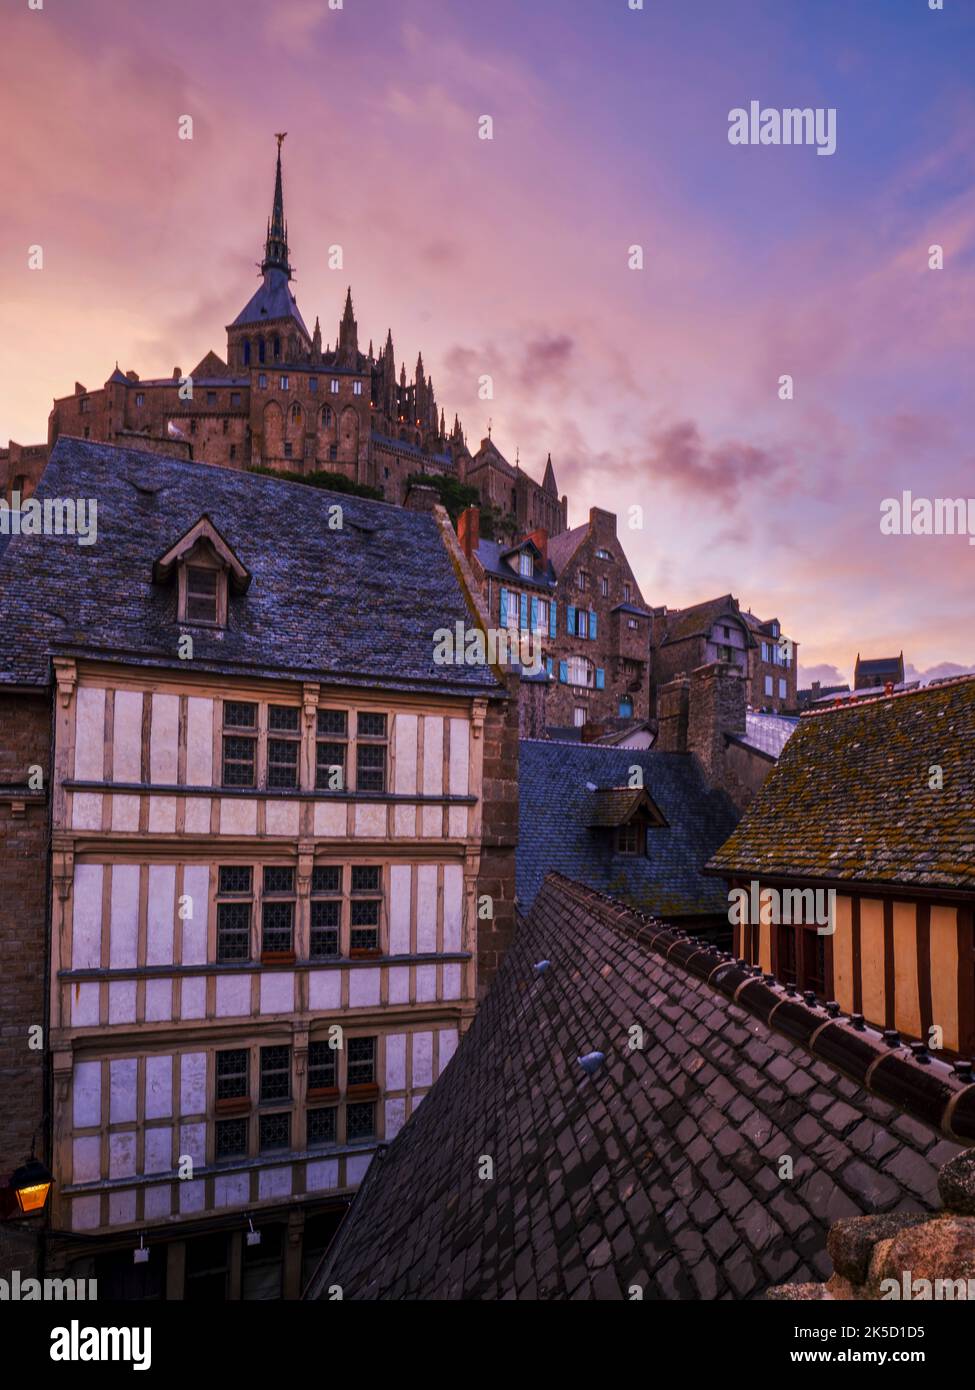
510, 257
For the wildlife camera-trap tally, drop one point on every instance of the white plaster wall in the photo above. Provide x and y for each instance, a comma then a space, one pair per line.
127, 737
196, 886
399, 984
124, 925
198, 815
86, 1091
363, 988
121, 1154
432, 755
123, 1080
330, 818
453, 906
159, 1001
447, 1045
426, 984
426, 908
125, 813
395, 1062
86, 1158
399, 909
281, 817
199, 742
159, 1087
160, 913
325, 990
237, 816
86, 810
164, 738
121, 1001
85, 1005
162, 815
86, 918
159, 1149
422, 1059
89, 752
459, 757
370, 821
277, 992
233, 996
404, 743
192, 1083
193, 997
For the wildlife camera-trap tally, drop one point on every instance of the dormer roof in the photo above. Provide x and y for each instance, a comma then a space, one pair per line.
202, 532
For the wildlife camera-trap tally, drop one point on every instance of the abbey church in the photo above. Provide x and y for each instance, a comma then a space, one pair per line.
281, 399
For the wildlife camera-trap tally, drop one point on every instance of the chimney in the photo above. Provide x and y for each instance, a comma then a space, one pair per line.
672, 702
176, 373
420, 497
469, 530
540, 538
888, 687
816, 687
716, 708
602, 526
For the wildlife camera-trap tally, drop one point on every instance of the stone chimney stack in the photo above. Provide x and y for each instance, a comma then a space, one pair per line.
469, 530
672, 714
421, 498
716, 708
540, 538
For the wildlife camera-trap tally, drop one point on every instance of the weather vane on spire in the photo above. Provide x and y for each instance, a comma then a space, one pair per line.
280, 139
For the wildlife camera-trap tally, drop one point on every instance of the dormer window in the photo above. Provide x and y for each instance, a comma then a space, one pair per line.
202, 595
205, 569
525, 565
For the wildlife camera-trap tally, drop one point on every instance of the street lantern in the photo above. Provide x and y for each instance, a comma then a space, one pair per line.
31, 1184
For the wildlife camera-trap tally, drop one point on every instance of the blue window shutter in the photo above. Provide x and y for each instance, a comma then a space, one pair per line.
592, 623
552, 619
503, 619
534, 613
570, 621
524, 612
548, 665
564, 672
600, 678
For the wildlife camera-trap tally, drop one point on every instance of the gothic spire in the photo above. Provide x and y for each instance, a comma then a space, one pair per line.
276, 247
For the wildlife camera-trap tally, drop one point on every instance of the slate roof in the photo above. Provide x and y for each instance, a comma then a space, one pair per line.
356, 605
271, 300
561, 548
661, 1169
556, 805
490, 555
615, 806
850, 800
698, 620
769, 733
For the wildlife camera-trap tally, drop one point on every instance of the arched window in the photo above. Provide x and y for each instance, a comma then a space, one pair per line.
277, 349
261, 350
247, 352
326, 416
296, 414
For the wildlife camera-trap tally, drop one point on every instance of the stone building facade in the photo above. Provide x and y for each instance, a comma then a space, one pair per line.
270, 856
574, 600
281, 398
684, 639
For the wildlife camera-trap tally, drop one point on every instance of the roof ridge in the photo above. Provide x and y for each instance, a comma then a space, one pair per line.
927, 1090
884, 698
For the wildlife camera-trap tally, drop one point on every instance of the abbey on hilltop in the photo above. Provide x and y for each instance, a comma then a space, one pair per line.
282, 399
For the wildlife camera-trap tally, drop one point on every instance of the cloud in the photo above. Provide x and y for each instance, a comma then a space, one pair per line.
679, 456
824, 673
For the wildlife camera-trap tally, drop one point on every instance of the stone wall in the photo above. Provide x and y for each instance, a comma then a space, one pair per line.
24, 742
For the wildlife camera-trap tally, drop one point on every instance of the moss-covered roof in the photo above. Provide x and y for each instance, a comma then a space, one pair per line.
881, 790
